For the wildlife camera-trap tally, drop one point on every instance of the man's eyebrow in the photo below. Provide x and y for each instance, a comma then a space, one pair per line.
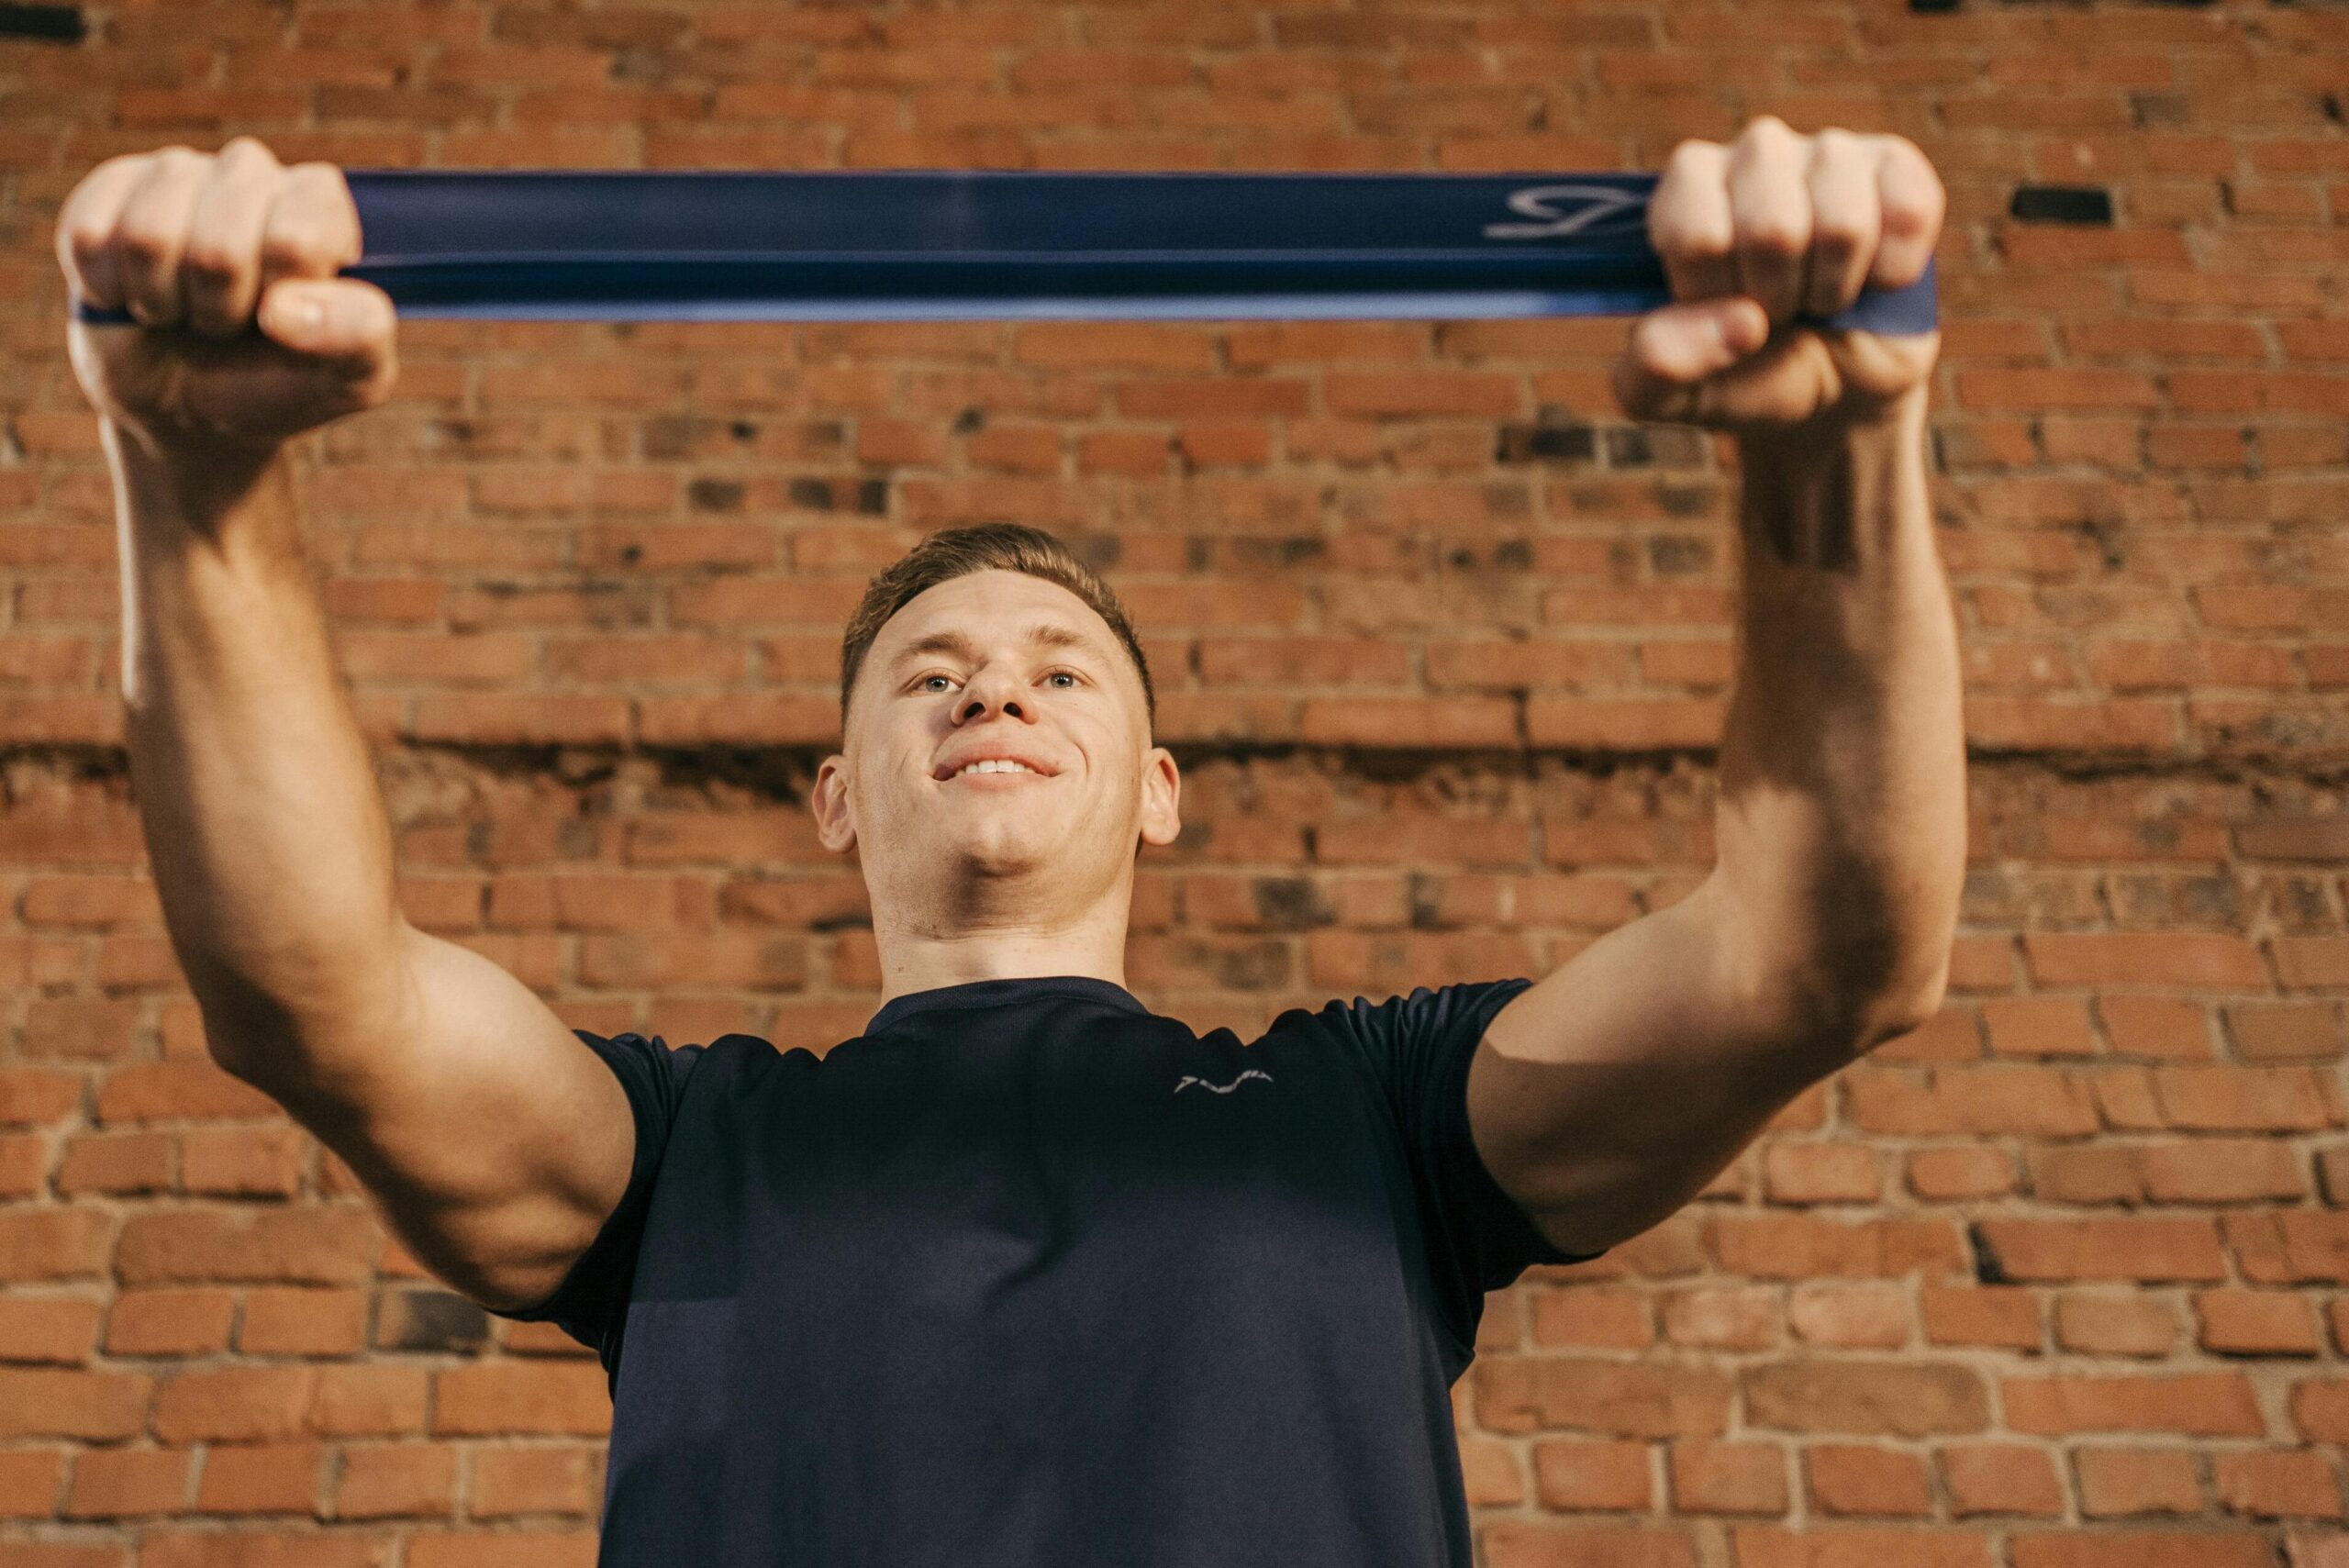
1044, 634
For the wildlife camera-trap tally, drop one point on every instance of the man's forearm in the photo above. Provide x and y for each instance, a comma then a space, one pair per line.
271, 854
1841, 822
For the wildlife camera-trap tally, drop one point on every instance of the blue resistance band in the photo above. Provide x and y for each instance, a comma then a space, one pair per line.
914, 245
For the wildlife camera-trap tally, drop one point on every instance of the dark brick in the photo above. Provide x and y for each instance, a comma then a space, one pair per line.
2062, 203
50, 24
1546, 443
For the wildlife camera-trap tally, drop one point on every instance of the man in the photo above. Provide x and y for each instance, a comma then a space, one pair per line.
1026, 1275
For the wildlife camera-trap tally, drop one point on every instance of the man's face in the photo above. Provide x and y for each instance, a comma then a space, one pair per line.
995, 664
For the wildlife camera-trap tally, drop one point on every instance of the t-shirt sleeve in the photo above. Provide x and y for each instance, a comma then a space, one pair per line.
1421, 1046
591, 1302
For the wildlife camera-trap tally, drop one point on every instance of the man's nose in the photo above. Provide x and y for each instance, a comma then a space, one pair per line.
989, 693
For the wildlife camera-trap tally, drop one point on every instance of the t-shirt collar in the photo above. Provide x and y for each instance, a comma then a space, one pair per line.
996, 993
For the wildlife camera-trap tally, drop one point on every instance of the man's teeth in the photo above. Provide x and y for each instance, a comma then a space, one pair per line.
994, 765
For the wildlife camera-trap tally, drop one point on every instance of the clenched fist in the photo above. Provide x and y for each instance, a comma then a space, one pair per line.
1751, 234
246, 338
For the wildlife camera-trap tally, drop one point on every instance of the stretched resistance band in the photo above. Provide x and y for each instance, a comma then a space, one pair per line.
624, 245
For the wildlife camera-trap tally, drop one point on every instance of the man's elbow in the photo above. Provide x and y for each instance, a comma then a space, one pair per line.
1862, 1019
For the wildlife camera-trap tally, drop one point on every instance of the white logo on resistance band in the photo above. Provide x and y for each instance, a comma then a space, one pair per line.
1221, 1088
1541, 203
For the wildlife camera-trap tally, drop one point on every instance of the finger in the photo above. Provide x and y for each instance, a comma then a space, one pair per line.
313, 225
1675, 352
1845, 220
1788, 380
151, 232
1914, 204
85, 228
1770, 207
220, 270
355, 320
1688, 222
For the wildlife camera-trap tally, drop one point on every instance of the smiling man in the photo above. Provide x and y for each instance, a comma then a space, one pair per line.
1027, 1276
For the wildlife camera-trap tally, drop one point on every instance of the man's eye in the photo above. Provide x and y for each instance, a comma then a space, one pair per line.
923, 681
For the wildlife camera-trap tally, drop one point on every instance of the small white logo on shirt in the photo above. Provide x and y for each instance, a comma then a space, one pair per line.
1221, 1088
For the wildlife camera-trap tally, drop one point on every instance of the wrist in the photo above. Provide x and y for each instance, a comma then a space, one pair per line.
1886, 429
161, 486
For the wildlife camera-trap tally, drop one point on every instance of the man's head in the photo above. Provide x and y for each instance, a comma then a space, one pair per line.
993, 642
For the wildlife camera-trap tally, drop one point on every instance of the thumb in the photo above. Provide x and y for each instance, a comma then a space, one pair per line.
338, 318
1675, 348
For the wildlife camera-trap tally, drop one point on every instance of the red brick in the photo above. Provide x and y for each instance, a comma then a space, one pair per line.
44, 1402
1820, 1172
1851, 1478
398, 1481
2209, 962
2115, 1325
1727, 1478
2000, 1478
2119, 1482
272, 1478
128, 1483
1849, 1546
1592, 1476
1850, 1315
1521, 1394
2257, 1323
2193, 1404
55, 1329
1864, 1398
2289, 1484
2007, 1315
536, 1478
499, 1398
1722, 1317
1592, 1317
2163, 1548
2105, 1249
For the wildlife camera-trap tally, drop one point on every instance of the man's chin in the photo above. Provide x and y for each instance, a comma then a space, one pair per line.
1001, 848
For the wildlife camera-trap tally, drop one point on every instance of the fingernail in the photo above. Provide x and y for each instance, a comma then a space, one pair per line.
309, 314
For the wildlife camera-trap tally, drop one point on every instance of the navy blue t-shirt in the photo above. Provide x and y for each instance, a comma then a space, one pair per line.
1029, 1276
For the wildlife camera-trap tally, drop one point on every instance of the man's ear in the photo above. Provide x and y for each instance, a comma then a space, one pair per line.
835, 823
1162, 798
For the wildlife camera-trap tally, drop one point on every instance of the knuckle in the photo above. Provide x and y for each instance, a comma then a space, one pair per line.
1902, 219
124, 166
317, 180
1695, 239
296, 239
1776, 237
1695, 164
212, 260
86, 242
144, 241
1840, 237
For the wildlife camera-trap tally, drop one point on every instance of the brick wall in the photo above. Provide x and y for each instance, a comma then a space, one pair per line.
2059, 1281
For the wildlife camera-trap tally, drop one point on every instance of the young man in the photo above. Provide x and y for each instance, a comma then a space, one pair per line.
1026, 1275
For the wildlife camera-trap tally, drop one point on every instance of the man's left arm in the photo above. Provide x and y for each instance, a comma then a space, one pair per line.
1609, 1094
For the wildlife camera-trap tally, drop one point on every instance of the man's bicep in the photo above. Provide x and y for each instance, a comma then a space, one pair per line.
495, 1142
1605, 1096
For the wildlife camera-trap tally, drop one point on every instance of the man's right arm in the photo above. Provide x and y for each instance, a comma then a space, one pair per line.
494, 1140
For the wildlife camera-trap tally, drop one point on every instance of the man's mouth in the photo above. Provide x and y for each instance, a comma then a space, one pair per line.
993, 770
